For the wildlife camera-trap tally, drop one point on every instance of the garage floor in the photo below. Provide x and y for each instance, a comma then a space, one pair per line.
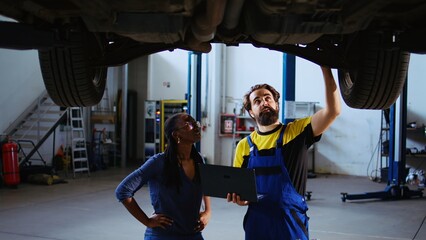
85, 208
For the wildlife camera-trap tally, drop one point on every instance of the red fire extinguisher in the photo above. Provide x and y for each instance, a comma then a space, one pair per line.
11, 175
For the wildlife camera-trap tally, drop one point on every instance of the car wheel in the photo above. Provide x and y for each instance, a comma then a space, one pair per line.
68, 74
377, 74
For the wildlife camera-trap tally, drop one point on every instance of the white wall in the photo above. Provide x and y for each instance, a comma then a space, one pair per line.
20, 83
349, 144
246, 66
167, 75
416, 97
416, 109
349, 147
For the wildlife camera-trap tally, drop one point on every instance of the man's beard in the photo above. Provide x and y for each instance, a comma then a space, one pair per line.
268, 118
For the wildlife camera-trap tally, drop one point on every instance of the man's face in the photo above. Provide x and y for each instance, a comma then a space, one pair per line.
264, 109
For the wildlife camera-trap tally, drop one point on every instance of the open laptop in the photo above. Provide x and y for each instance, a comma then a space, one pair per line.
218, 181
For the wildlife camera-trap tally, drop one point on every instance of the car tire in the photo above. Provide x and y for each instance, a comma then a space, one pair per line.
377, 74
68, 73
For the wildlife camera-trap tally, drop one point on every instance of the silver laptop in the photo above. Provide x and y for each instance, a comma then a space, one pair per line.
218, 181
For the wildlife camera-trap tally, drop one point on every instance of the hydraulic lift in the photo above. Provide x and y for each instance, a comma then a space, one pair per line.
396, 188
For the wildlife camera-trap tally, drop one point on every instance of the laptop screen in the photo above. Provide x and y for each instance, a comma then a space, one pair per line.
218, 181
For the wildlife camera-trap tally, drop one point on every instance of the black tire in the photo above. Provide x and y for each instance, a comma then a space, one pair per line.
377, 74
68, 74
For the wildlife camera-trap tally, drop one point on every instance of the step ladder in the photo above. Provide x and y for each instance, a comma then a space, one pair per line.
80, 162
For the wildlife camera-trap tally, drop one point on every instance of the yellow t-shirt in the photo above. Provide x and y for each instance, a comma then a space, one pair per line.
298, 137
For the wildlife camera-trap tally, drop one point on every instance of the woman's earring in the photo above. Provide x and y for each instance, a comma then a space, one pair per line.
178, 140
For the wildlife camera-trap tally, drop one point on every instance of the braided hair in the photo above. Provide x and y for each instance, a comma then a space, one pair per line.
171, 164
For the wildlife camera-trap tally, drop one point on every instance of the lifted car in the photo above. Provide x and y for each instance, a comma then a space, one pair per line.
368, 41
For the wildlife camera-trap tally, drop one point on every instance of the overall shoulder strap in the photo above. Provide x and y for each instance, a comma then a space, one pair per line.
250, 142
280, 138
252, 146
253, 150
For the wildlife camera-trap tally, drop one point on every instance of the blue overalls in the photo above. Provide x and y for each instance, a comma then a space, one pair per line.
281, 213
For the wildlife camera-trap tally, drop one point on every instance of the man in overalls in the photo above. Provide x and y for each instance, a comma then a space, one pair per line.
277, 152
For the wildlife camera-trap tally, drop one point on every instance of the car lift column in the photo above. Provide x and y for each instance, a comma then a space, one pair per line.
197, 83
395, 188
289, 83
289, 94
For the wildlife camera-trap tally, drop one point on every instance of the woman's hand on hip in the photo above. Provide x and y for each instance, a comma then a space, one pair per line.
159, 220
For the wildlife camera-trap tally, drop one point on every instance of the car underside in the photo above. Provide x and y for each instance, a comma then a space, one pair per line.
368, 41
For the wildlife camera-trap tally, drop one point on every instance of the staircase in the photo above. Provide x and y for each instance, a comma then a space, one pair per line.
33, 127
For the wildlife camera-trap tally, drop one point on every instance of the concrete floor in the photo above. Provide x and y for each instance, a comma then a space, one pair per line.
85, 208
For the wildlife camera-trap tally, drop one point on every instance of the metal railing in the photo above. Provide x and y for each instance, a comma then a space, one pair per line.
44, 138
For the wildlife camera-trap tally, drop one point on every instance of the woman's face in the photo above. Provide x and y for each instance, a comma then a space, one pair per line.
187, 129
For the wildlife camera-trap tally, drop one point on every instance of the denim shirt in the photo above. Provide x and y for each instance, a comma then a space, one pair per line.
183, 206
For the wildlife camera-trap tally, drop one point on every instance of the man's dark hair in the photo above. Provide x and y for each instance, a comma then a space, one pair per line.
246, 98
